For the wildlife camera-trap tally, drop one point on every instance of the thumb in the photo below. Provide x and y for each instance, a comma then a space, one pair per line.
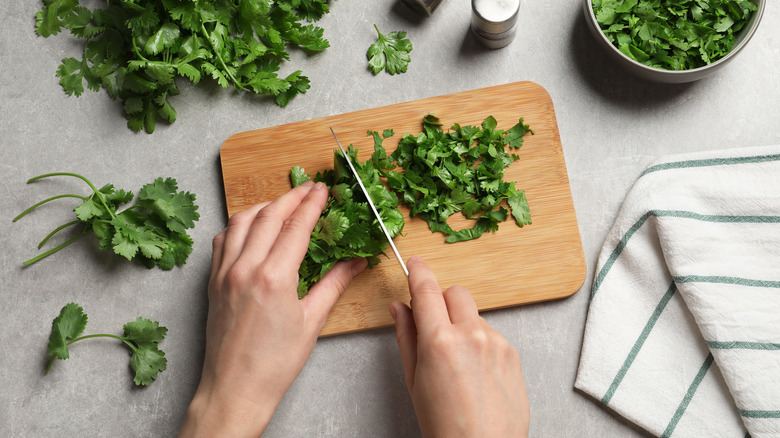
324, 294
406, 335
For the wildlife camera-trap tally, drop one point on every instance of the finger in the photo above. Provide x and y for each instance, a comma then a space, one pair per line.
235, 234
460, 305
293, 241
406, 335
430, 310
268, 222
324, 294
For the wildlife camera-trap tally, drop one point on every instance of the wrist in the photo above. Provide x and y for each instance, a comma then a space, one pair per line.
211, 414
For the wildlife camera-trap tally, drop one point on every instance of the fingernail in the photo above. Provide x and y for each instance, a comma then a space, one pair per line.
308, 183
393, 312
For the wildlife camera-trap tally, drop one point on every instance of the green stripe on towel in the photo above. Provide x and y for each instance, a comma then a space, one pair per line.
759, 414
710, 162
670, 213
638, 344
688, 396
722, 279
743, 345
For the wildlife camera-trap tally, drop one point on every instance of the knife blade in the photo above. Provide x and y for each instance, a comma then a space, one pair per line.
371, 204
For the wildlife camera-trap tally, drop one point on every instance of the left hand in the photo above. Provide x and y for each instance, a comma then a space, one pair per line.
259, 334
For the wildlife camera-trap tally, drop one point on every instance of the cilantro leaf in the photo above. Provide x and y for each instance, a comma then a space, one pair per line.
390, 52
347, 228
152, 231
68, 325
141, 336
673, 34
136, 50
458, 171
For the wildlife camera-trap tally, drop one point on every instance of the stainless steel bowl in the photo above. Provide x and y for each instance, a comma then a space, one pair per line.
672, 76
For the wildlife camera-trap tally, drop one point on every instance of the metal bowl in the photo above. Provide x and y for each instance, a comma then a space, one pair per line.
672, 76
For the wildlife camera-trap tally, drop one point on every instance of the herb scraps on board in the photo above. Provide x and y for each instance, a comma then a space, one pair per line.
440, 174
461, 170
141, 337
153, 230
390, 52
347, 228
673, 35
137, 49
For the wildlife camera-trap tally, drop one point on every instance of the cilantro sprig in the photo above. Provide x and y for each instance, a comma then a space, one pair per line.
347, 228
137, 49
153, 230
390, 52
673, 35
141, 337
457, 171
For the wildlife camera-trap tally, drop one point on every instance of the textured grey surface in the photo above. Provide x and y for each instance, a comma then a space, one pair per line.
611, 127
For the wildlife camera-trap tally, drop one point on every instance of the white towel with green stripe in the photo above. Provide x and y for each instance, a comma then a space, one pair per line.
683, 330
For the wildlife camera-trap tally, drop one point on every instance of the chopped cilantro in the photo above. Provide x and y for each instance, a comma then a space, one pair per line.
141, 336
458, 171
390, 52
137, 49
152, 231
673, 34
347, 227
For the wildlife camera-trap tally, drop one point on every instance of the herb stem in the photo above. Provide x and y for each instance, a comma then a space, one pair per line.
57, 248
22, 214
55, 231
75, 175
221, 61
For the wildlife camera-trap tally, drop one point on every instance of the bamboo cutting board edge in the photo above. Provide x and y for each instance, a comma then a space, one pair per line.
563, 274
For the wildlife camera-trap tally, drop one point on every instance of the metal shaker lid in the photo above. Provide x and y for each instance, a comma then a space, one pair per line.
495, 16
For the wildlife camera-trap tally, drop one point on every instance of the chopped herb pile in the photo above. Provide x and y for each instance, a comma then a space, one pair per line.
136, 49
140, 336
152, 231
390, 52
347, 227
673, 34
458, 171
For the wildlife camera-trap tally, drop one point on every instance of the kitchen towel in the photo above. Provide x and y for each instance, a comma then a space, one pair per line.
683, 329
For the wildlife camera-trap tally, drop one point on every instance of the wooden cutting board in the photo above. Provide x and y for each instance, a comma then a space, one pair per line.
512, 266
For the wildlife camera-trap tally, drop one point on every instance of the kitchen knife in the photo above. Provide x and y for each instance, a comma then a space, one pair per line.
371, 204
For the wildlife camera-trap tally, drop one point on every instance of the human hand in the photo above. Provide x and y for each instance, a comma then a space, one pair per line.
464, 378
258, 334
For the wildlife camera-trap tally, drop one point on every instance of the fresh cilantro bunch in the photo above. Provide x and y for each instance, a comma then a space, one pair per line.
390, 52
347, 227
137, 49
673, 34
152, 231
458, 171
140, 336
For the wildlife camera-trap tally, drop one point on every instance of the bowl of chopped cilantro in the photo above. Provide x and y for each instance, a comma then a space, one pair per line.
673, 41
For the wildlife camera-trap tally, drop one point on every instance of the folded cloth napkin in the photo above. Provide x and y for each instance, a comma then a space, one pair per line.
683, 330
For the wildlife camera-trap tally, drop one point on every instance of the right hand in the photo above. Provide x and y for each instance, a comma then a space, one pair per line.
464, 378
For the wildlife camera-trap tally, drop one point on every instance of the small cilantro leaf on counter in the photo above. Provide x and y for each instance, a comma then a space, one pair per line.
390, 52
141, 337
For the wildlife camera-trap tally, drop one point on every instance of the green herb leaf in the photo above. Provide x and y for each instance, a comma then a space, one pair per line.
141, 336
152, 231
390, 52
673, 34
136, 49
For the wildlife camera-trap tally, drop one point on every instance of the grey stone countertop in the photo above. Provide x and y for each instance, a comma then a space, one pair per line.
611, 126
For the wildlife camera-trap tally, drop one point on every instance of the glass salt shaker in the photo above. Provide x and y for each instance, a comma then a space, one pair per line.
494, 22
